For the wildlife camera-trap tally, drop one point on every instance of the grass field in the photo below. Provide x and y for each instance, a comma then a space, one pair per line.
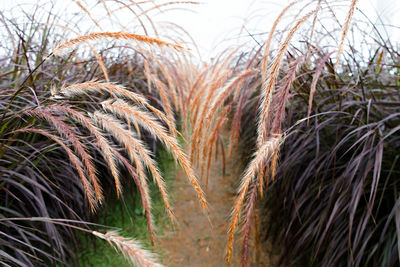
88, 115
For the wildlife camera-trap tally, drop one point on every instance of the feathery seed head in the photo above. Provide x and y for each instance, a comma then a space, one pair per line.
63, 48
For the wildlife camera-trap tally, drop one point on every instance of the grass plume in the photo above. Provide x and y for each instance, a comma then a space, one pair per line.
70, 44
130, 248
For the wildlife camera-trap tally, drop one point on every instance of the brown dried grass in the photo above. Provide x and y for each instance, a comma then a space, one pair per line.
67, 132
98, 87
130, 248
269, 85
133, 114
70, 44
101, 142
264, 63
137, 152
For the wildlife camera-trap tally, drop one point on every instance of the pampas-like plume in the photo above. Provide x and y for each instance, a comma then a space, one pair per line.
223, 94
269, 85
63, 47
171, 85
105, 148
136, 151
96, 55
93, 87
66, 131
163, 91
133, 114
131, 249
263, 154
279, 110
345, 30
201, 106
269, 40
115, 90
236, 121
164, 118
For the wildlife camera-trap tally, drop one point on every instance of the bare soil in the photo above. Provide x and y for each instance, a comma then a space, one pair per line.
200, 240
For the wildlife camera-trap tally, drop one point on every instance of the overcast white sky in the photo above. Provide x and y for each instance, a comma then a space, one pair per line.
216, 20
220, 19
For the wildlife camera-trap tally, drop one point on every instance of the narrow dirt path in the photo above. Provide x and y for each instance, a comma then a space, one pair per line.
196, 242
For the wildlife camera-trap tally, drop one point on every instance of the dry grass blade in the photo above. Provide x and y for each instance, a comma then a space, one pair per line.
262, 155
131, 249
106, 7
312, 30
128, 5
63, 47
101, 63
88, 13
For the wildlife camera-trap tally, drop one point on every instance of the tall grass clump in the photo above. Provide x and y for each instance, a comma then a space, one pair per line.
66, 132
330, 187
338, 170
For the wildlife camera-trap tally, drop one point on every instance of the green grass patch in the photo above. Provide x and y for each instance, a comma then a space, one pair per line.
128, 215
